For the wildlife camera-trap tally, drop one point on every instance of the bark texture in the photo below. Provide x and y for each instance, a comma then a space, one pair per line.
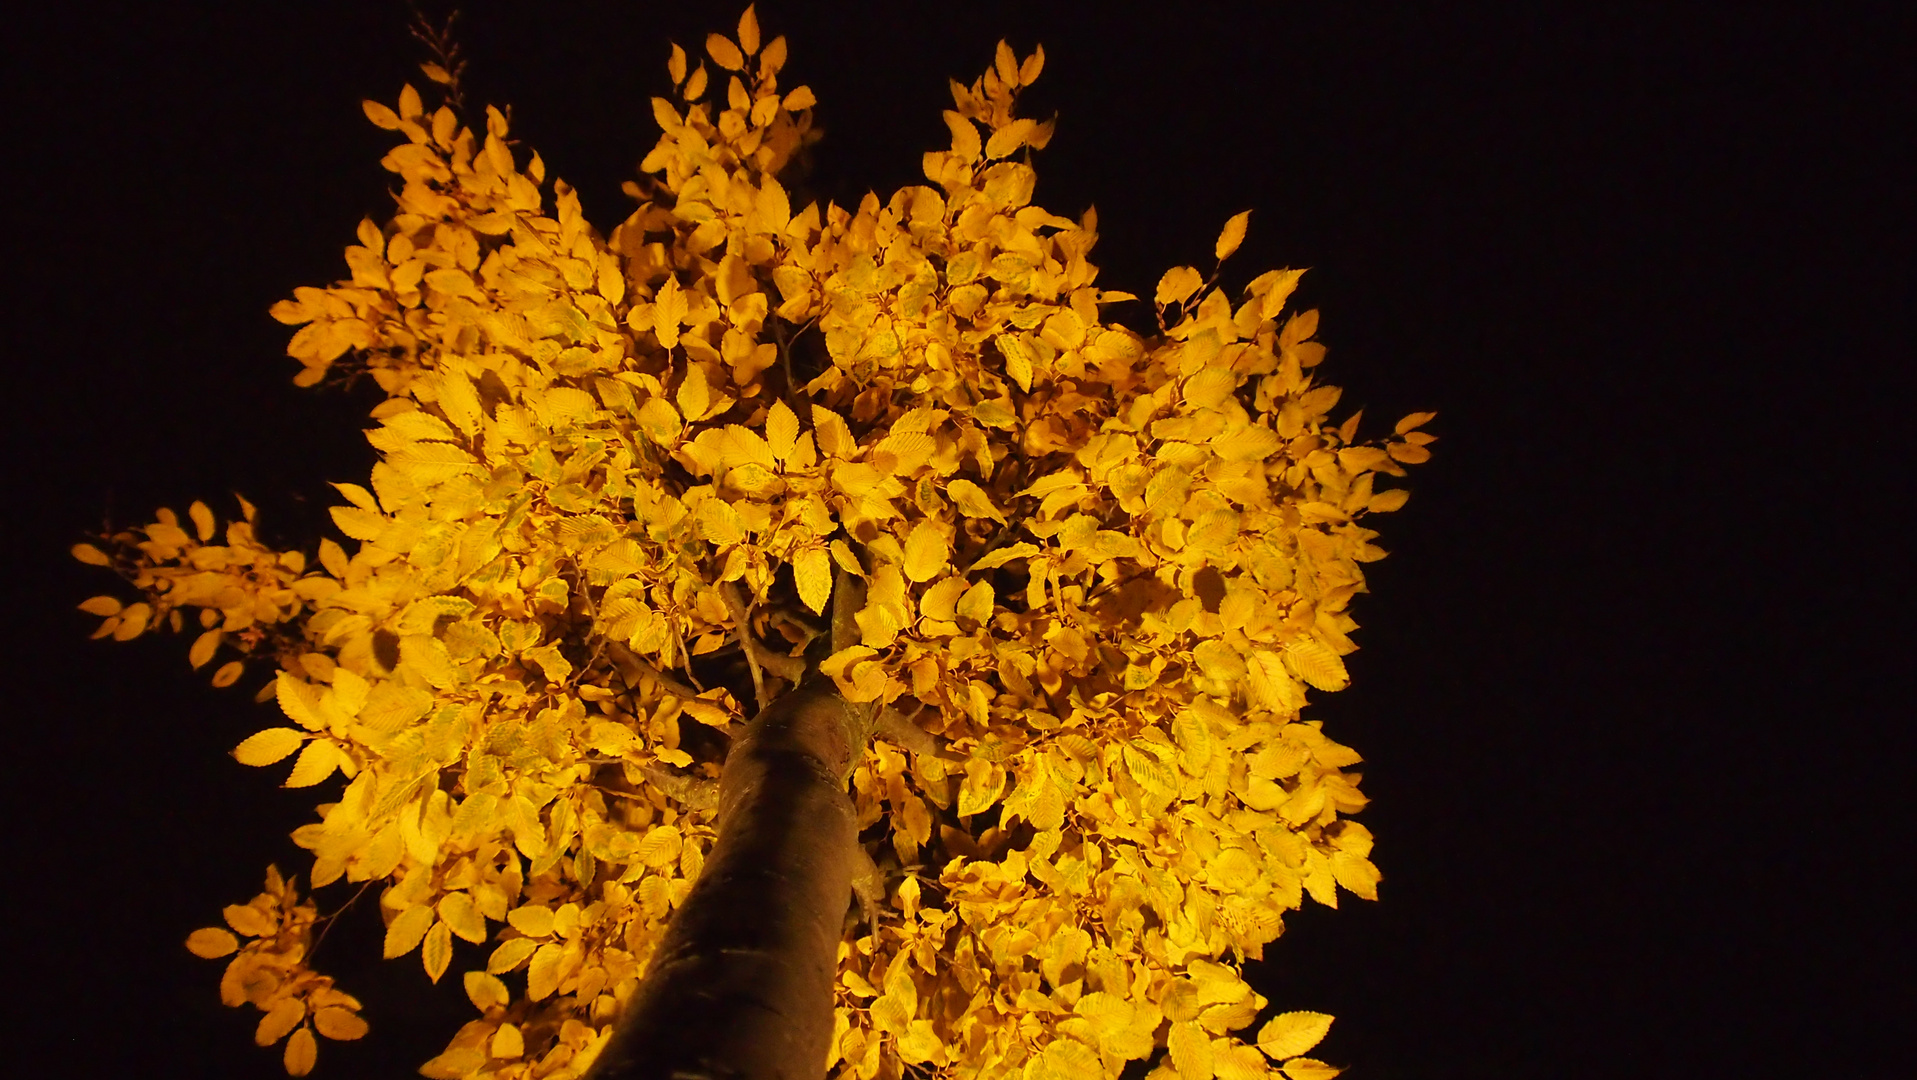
741, 986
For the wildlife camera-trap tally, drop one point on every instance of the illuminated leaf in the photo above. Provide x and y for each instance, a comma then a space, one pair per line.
211, 942
812, 574
91, 555
1289, 1034
1309, 1069
339, 1024
926, 552
266, 747
724, 52
1232, 236
302, 1050
486, 991
437, 950
407, 929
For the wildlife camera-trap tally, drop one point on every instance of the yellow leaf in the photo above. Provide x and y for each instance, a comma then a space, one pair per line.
724, 52
1035, 63
405, 931
1317, 664
229, 673
532, 920
1177, 285
315, 763
339, 1023
812, 573
91, 555
302, 1050
211, 942
1289, 1034
668, 310
266, 747
542, 975
972, 500
1386, 501
1210, 386
720, 523
1415, 420
1232, 236
486, 991
507, 1042
1310, 1069
203, 520
510, 955
1190, 1050
978, 603
781, 430
456, 910
280, 1019
926, 551
800, 98
437, 952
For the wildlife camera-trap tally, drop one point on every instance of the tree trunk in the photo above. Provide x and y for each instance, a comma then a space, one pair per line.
741, 986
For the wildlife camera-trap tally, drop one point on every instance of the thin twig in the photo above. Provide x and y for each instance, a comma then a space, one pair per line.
624, 659
789, 668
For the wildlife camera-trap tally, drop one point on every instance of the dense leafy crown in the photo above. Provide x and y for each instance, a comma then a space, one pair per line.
1101, 571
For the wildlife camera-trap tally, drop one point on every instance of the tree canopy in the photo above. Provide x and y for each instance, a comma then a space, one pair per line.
625, 476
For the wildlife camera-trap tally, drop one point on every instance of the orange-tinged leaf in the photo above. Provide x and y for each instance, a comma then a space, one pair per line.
91, 555
749, 30
1413, 421
102, 606
266, 747
302, 1050
212, 942
204, 647
203, 519
1232, 236
800, 98
280, 1019
507, 1042
229, 673
1289, 1034
1386, 501
724, 52
380, 115
339, 1024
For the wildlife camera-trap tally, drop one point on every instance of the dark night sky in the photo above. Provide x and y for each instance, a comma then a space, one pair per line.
1626, 680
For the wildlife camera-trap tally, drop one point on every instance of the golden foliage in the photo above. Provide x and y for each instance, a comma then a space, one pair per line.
1101, 569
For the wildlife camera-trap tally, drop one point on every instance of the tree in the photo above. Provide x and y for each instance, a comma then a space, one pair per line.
1023, 604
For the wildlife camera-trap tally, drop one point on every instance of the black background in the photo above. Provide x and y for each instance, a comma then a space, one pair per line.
1627, 681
